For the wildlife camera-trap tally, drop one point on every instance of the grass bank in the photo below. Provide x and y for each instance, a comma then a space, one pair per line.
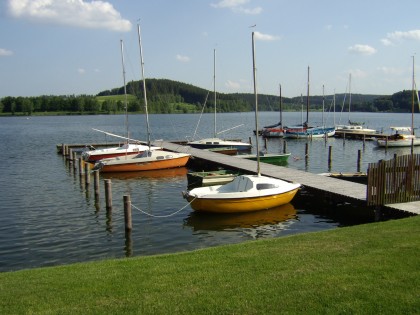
366, 269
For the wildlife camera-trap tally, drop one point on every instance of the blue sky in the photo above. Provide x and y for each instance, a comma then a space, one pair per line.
60, 47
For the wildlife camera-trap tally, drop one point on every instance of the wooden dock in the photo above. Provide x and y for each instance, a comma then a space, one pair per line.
332, 186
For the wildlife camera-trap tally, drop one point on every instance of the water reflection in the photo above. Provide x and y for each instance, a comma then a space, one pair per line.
167, 173
270, 219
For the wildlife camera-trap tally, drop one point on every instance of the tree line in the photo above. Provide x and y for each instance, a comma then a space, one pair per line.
167, 96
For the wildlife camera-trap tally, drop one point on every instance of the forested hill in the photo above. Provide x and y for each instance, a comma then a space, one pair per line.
160, 92
167, 96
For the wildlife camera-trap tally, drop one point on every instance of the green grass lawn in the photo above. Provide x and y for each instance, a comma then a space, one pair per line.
365, 269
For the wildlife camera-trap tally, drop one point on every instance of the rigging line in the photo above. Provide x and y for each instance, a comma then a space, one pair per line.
229, 129
162, 216
202, 110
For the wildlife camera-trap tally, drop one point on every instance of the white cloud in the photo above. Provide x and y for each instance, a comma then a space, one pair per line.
265, 37
358, 74
81, 71
328, 27
232, 85
182, 58
362, 49
389, 70
5, 52
413, 34
79, 13
237, 6
398, 36
387, 42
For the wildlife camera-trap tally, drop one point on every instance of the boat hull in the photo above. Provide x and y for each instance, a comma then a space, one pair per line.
214, 143
240, 205
135, 165
275, 159
397, 143
309, 133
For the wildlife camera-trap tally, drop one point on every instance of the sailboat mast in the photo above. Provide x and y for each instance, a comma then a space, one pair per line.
125, 88
254, 73
307, 102
144, 86
214, 92
323, 105
412, 101
349, 95
281, 109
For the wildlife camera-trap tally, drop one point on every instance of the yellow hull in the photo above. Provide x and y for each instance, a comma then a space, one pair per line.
237, 205
147, 166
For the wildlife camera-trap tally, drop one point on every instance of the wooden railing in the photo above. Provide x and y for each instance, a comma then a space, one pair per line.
394, 181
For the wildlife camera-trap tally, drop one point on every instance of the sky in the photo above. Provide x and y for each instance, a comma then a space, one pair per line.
73, 47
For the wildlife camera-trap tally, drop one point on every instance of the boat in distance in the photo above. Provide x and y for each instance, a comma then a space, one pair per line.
245, 193
403, 137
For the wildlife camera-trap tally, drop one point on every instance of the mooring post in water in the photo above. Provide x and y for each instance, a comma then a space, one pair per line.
63, 149
329, 156
96, 183
284, 146
108, 194
74, 160
359, 157
70, 158
87, 174
344, 138
81, 170
250, 140
265, 143
127, 213
306, 150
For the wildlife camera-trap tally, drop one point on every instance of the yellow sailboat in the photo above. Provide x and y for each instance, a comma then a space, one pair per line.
245, 193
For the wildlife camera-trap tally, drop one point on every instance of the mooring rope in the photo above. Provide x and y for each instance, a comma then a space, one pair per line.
162, 216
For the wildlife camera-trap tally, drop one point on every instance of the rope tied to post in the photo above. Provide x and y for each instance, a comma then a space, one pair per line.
162, 216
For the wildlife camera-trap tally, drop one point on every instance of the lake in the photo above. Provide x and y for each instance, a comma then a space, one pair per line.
49, 217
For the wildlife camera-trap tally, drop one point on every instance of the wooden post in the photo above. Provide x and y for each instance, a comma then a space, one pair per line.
359, 157
81, 167
284, 146
63, 149
329, 157
306, 150
265, 143
96, 183
108, 194
74, 160
344, 138
127, 213
250, 140
70, 158
87, 174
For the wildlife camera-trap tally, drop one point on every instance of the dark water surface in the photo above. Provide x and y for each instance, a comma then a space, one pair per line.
48, 216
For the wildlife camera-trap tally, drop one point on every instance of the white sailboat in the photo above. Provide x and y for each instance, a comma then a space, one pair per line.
404, 136
353, 127
306, 131
129, 147
216, 142
245, 193
149, 159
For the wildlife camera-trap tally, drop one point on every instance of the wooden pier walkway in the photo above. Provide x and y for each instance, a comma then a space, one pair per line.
337, 187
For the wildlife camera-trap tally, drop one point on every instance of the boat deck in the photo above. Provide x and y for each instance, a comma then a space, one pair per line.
337, 187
